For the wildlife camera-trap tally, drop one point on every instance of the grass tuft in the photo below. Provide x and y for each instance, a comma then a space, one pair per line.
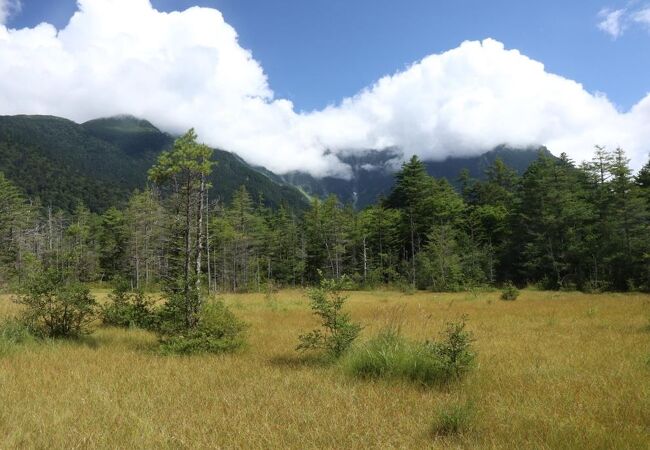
13, 334
390, 355
454, 420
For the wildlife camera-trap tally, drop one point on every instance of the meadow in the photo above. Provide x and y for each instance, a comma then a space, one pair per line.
554, 370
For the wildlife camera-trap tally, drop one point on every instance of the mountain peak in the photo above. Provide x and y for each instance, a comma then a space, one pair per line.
124, 123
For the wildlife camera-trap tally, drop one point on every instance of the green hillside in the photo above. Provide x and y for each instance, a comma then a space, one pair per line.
100, 162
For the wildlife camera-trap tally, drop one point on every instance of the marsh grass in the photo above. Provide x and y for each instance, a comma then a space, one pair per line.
13, 335
454, 419
390, 355
581, 383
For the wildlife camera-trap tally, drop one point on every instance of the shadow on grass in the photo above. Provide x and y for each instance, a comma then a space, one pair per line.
127, 339
300, 360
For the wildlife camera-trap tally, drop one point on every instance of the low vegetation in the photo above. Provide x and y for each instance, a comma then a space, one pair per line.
429, 362
57, 307
218, 331
453, 419
338, 331
509, 292
114, 389
13, 334
129, 308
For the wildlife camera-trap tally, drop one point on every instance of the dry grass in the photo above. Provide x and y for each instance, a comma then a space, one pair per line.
554, 370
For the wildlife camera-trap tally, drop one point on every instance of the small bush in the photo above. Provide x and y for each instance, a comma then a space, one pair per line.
390, 355
127, 308
453, 420
595, 287
217, 331
338, 330
56, 307
509, 292
13, 333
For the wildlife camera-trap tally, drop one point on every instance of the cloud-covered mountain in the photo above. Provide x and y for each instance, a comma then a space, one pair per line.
187, 69
373, 173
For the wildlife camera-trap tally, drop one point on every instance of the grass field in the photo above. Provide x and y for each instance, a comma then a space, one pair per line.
555, 370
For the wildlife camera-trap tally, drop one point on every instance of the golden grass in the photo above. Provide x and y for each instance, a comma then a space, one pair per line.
555, 370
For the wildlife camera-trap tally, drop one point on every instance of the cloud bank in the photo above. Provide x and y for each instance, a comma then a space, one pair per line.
187, 69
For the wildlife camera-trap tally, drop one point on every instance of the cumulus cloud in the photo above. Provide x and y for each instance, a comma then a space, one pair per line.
187, 69
8, 8
612, 21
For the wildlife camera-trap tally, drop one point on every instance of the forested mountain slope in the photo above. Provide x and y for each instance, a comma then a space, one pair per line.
100, 162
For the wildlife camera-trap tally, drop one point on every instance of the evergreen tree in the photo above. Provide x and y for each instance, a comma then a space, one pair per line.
183, 170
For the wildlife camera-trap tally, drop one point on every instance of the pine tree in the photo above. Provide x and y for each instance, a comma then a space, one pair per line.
183, 170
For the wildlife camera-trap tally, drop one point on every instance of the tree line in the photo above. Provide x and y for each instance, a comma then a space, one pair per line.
560, 225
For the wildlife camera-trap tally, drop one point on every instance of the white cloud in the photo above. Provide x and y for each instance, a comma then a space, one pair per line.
612, 21
642, 16
616, 21
187, 69
8, 8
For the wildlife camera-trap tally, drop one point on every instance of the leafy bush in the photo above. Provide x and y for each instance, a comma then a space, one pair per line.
12, 334
453, 420
338, 330
390, 355
454, 349
56, 307
509, 292
217, 331
127, 308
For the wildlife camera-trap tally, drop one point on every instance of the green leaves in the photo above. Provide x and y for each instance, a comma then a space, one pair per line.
185, 164
338, 330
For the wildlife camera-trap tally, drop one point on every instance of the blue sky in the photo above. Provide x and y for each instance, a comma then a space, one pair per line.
317, 52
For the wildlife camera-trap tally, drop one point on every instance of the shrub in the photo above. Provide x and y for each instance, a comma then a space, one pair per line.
454, 349
12, 334
217, 331
127, 308
390, 355
454, 419
56, 307
338, 330
509, 292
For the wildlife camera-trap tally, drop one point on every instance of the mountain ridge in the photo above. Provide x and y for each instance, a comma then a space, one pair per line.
100, 162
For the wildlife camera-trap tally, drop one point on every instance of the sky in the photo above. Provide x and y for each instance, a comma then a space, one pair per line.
293, 84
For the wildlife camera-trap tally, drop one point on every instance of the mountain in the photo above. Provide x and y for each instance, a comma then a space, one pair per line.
100, 162
373, 172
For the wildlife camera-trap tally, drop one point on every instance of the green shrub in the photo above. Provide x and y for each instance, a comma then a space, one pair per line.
13, 333
56, 307
454, 349
390, 355
217, 331
338, 330
454, 419
127, 308
509, 292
